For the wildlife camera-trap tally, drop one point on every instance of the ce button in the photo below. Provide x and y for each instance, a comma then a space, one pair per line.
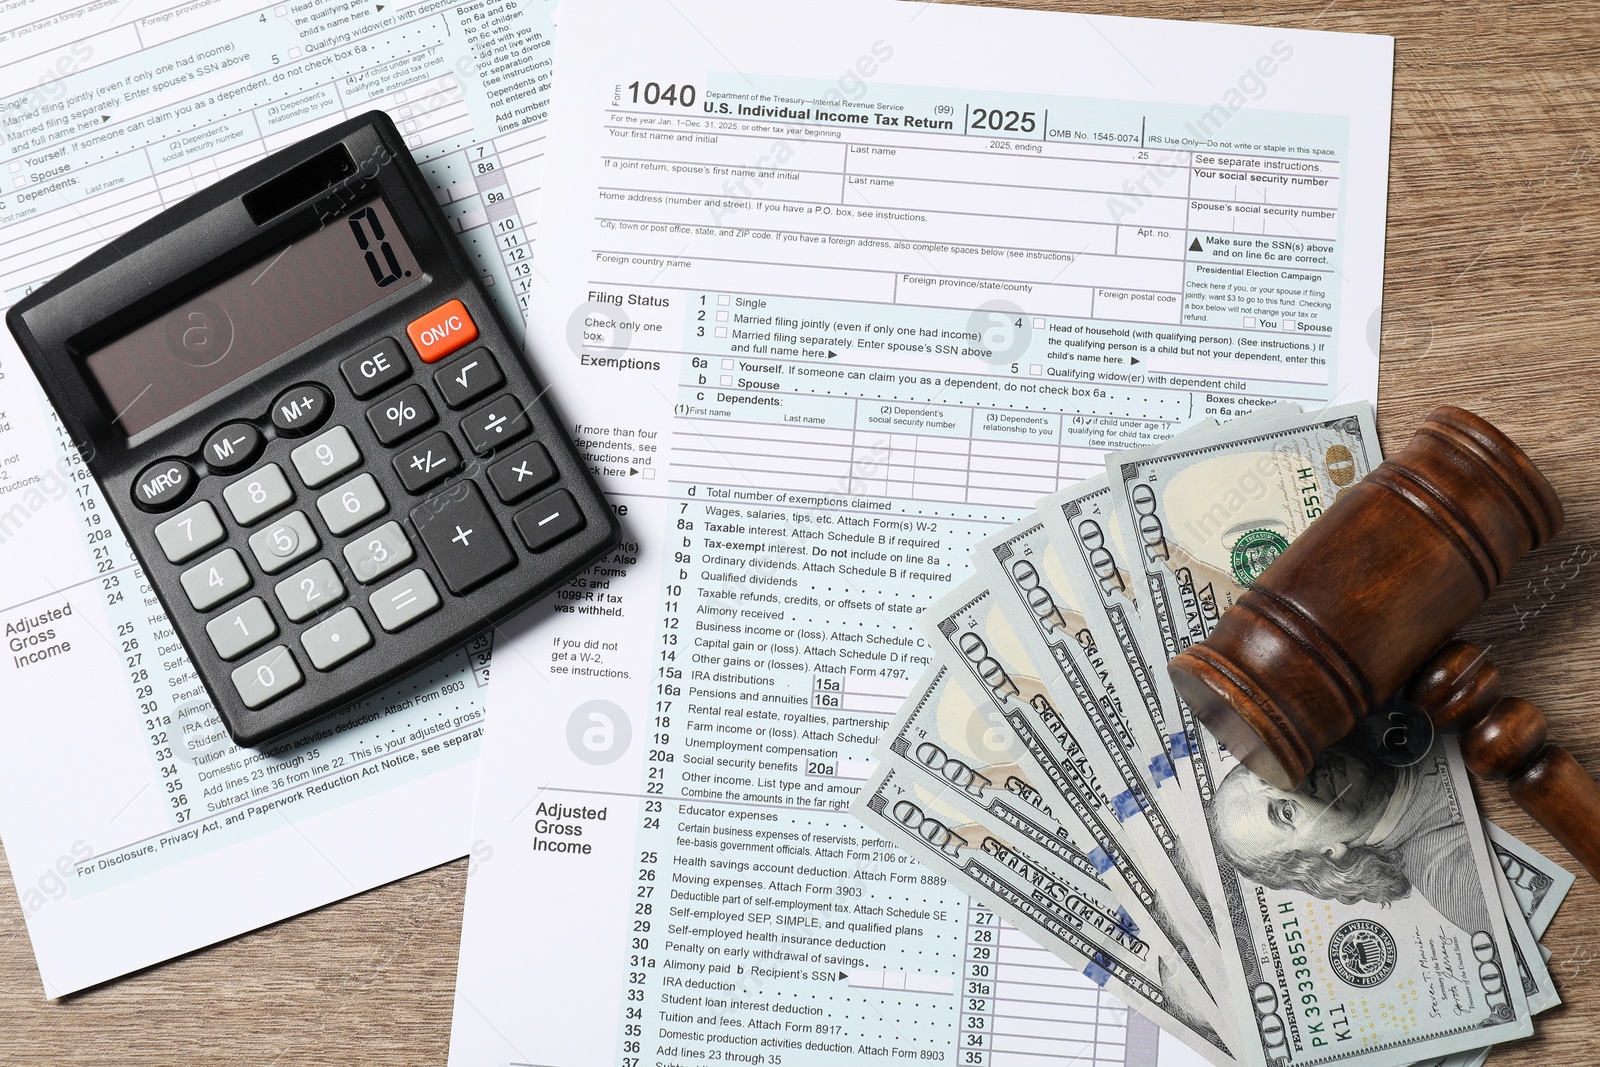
372, 369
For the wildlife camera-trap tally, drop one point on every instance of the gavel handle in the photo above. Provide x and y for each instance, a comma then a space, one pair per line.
1459, 689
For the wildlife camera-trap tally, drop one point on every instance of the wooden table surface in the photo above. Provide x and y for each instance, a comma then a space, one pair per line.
1491, 301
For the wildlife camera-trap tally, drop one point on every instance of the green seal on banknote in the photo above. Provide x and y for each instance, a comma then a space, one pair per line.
1252, 553
1362, 953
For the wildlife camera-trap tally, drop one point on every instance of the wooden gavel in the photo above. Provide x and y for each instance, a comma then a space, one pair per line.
1363, 606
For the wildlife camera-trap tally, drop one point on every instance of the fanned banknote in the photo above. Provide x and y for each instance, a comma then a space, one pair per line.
1058, 744
942, 737
1364, 919
1044, 764
1006, 874
1539, 882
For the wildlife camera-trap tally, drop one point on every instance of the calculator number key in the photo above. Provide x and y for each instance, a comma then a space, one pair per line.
397, 417
308, 591
322, 459
189, 533
267, 677
285, 541
212, 581
371, 370
427, 463
373, 555
461, 536
247, 626
468, 377
258, 494
404, 600
497, 423
352, 504
335, 639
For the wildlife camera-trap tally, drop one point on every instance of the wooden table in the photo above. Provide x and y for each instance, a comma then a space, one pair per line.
1490, 301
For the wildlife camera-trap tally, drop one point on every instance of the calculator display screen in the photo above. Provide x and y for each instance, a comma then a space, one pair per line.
247, 319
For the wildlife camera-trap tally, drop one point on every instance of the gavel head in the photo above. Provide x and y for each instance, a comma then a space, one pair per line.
1339, 622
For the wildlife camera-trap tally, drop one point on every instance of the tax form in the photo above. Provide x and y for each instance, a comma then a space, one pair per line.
133, 828
834, 290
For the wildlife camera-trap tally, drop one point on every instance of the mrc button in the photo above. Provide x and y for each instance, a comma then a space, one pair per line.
371, 370
164, 484
300, 409
442, 331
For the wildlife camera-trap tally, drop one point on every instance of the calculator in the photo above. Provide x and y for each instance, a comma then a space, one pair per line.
320, 437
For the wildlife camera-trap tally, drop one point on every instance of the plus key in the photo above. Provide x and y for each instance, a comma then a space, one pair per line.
459, 533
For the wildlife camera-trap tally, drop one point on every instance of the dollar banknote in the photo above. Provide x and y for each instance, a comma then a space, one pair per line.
1365, 922
1006, 874
941, 738
1539, 882
1057, 743
1044, 628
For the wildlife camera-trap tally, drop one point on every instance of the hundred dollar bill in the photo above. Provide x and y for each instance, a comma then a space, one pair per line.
941, 739
1532, 972
1027, 577
1005, 874
971, 634
1202, 520
1082, 523
1366, 924
1539, 882
1520, 908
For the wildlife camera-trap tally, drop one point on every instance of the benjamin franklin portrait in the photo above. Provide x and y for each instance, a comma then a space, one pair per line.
1358, 830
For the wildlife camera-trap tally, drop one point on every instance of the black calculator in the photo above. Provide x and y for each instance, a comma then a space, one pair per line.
318, 434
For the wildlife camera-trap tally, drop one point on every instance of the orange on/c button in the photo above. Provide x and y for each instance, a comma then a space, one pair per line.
442, 331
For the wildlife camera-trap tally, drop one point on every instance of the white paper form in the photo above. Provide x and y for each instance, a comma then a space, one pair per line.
134, 830
836, 289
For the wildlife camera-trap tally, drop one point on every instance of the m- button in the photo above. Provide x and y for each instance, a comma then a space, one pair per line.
442, 331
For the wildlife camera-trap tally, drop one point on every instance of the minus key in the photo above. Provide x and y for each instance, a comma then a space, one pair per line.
548, 520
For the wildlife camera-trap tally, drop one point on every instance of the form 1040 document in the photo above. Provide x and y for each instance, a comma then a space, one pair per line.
133, 828
832, 290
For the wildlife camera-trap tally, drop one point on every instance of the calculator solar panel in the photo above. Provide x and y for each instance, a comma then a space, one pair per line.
321, 439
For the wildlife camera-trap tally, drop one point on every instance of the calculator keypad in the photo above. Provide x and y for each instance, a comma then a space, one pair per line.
308, 591
233, 633
325, 457
189, 533
258, 494
460, 533
404, 601
521, 474
353, 504
548, 520
368, 371
231, 447
312, 554
212, 581
397, 417
289, 539
335, 639
464, 380
300, 409
427, 463
267, 677
497, 423
372, 555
